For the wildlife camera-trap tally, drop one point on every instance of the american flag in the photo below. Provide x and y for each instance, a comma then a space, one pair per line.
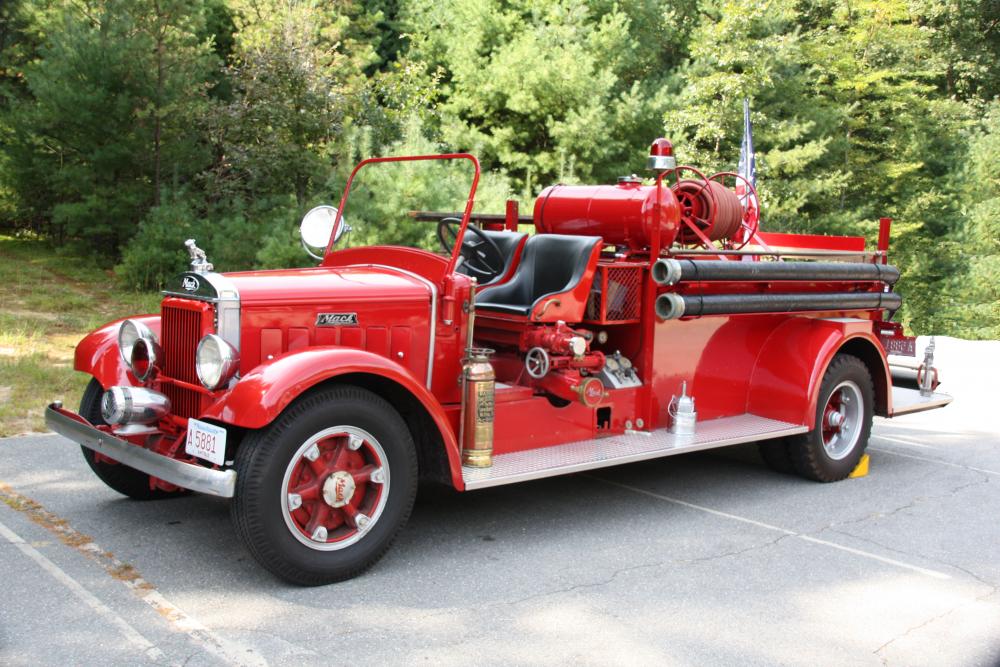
748, 160
747, 168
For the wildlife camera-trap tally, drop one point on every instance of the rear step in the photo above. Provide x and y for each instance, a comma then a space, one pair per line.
618, 449
906, 401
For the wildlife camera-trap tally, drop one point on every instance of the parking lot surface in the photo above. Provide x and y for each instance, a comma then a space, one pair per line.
701, 559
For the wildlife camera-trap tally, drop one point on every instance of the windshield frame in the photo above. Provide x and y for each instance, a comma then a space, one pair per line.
466, 215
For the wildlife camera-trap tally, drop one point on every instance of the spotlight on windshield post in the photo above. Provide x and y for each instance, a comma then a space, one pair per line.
316, 228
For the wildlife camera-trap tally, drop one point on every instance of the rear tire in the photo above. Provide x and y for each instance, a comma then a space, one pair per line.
323, 491
844, 410
126, 481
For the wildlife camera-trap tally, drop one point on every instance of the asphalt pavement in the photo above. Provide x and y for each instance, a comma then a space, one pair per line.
701, 559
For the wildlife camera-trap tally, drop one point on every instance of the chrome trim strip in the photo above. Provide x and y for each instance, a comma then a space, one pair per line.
434, 300
220, 483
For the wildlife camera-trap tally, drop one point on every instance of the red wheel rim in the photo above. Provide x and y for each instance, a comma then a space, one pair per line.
335, 488
842, 420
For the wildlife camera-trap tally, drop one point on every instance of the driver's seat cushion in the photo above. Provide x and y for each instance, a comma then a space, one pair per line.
510, 245
552, 280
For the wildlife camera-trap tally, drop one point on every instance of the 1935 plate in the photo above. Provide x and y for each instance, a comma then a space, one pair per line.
206, 441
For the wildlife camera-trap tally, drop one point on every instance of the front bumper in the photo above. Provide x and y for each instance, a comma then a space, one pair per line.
186, 475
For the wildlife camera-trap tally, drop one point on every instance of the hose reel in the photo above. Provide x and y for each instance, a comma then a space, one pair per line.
711, 211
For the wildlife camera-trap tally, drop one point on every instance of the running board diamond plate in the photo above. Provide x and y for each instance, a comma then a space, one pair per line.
615, 450
907, 401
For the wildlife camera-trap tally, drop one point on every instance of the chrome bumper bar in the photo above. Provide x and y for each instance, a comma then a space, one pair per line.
186, 475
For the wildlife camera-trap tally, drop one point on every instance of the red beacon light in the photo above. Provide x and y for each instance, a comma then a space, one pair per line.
661, 155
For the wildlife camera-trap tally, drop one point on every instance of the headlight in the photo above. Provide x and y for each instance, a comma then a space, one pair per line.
216, 361
146, 355
129, 332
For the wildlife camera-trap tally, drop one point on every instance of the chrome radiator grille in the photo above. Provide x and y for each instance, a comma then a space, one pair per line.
182, 328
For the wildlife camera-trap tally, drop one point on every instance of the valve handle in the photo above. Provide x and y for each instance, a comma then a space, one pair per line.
537, 363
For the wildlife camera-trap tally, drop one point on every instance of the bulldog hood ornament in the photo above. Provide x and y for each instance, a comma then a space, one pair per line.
199, 261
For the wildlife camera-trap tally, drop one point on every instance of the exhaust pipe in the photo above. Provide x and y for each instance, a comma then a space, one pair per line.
133, 405
671, 306
672, 271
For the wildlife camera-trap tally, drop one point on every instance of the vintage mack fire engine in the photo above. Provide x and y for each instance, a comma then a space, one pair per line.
639, 320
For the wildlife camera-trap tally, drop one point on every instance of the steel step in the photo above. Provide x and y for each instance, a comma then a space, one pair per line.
906, 401
618, 449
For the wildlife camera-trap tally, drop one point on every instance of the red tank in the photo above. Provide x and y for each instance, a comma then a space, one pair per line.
624, 214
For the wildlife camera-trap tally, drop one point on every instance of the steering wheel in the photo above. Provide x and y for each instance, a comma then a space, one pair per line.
481, 254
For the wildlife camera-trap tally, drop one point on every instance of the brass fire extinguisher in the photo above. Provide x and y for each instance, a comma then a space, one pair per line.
477, 409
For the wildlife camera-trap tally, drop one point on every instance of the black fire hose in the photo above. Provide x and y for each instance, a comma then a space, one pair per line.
671, 306
673, 271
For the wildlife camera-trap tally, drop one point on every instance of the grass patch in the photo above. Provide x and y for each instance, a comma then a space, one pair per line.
49, 300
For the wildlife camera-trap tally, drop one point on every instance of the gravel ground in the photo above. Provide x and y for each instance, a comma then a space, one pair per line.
702, 559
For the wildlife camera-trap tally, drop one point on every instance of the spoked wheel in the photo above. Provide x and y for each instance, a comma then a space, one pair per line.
335, 486
833, 448
323, 491
696, 198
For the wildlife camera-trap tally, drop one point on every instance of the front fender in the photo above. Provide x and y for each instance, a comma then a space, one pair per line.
97, 354
786, 379
260, 396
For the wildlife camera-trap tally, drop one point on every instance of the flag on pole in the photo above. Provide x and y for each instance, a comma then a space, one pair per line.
747, 168
748, 160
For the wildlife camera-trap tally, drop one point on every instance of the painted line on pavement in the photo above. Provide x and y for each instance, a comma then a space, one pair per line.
133, 636
778, 529
938, 461
900, 441
227, 651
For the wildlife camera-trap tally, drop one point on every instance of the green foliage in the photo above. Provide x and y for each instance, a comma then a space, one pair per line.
128, 126
383, 194
549, 90
157, 252
114, 95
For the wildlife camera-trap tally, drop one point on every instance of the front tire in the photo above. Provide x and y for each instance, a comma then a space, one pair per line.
118, 476
323, 491
835, 445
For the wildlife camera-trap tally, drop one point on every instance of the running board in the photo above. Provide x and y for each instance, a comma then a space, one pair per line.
907, 401
627, 448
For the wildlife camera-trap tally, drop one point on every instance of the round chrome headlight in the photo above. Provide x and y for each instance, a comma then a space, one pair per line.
146, 356
128, 333
216, 361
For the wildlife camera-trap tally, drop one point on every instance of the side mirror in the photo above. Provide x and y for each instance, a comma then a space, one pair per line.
317, 227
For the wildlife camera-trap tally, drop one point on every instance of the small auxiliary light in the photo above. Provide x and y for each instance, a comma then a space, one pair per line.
661, 155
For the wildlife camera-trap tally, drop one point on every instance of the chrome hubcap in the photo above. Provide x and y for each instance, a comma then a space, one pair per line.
842, 420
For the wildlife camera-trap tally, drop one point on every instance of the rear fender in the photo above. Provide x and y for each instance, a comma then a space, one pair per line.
263, 393
786, 379
97, 354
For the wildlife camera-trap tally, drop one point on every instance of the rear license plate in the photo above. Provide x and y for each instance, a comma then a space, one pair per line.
206, 441
905, 346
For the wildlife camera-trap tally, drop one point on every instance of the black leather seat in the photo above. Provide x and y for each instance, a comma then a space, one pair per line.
550, 264
509, 243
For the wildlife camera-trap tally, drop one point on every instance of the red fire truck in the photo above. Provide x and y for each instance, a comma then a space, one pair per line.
639, 320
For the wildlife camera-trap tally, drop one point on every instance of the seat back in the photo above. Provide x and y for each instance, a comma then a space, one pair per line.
510, 245
551, 281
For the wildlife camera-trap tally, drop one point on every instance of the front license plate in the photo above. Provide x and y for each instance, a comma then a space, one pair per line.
206, 441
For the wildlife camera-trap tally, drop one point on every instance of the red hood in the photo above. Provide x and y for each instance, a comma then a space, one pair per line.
326, 284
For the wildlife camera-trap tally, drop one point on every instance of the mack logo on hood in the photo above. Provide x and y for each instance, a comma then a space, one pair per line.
337, 319
190, 283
